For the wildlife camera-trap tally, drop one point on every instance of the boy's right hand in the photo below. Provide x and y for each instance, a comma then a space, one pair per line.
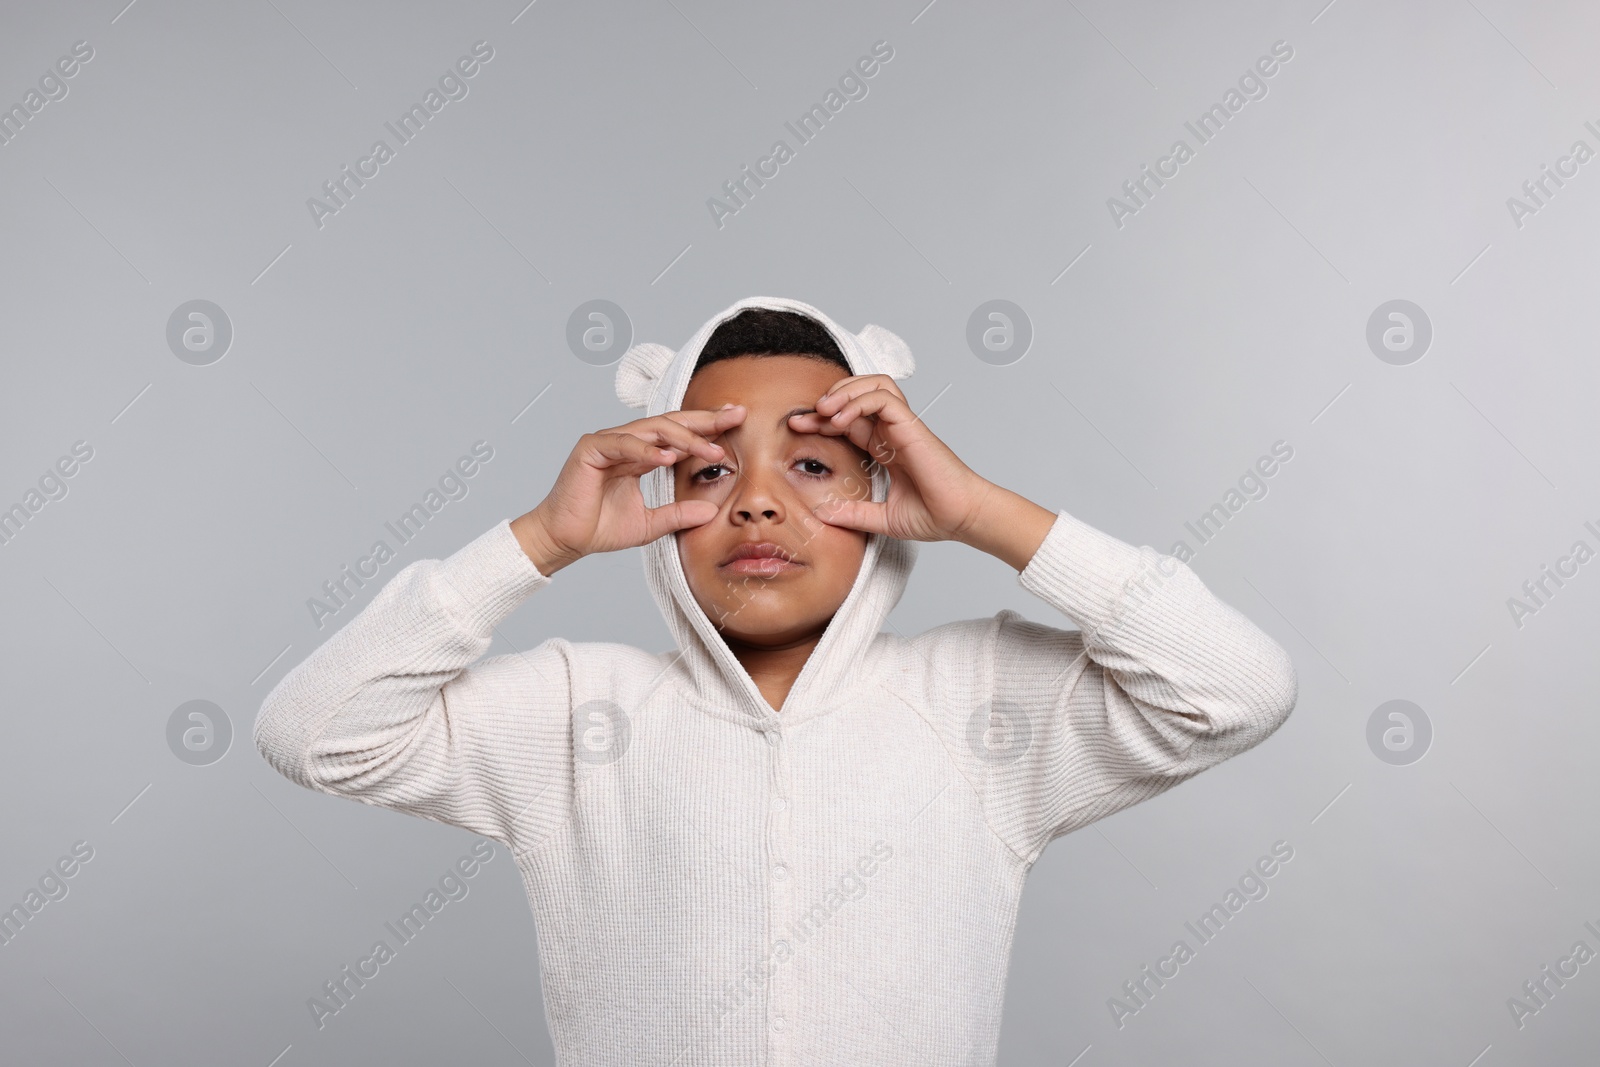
596, 504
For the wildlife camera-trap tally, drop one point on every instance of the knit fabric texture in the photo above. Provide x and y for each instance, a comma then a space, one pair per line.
715, 882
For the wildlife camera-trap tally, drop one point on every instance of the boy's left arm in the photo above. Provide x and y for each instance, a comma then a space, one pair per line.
1161, 680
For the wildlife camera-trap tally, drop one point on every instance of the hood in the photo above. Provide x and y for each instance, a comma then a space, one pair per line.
654, 378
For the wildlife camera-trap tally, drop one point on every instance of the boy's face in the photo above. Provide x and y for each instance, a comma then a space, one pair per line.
764, 487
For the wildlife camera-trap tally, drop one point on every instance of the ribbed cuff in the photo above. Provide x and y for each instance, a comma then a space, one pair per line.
1082, 571
485, 580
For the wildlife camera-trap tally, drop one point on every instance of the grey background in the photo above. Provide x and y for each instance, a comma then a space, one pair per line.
1228, 314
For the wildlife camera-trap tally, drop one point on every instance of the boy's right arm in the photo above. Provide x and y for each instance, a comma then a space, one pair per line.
395, 711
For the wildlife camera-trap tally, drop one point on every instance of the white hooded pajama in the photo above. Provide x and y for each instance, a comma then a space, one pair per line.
718, 883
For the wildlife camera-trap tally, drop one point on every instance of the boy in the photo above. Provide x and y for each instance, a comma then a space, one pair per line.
796, 839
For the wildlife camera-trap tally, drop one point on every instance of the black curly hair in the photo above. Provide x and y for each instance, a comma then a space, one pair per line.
769, 332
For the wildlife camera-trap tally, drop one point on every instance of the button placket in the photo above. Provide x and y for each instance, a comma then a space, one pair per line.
780, 880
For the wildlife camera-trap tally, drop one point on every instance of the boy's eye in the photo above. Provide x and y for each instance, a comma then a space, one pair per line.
697, 475
813, 468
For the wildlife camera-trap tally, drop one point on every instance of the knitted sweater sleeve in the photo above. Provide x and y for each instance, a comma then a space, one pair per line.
1161, 681
394, 710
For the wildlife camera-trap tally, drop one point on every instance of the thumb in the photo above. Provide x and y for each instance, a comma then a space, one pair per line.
678, 515
866, 515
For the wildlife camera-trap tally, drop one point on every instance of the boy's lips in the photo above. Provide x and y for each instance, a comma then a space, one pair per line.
761, 558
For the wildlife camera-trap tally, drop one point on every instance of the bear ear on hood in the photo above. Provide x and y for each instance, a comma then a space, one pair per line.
640, 371
889, 353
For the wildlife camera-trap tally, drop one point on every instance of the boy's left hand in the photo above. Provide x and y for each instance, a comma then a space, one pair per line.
933, 496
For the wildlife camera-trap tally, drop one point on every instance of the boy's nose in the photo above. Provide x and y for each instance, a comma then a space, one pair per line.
754, 506
755, 501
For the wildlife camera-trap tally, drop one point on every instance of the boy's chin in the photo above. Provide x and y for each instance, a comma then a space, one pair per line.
762, 632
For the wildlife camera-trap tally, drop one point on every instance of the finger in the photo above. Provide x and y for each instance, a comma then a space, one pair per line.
808, 422
708, 422
818, 422
608, 450
682, 431
841, 392
704, 422
841, 412
846, 389
873, 415
880, 402
866, 515
858, 432
844, 383
672, 434
860, 418
679, 515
